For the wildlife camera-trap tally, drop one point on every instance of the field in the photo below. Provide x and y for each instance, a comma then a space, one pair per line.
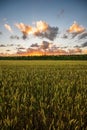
43, 95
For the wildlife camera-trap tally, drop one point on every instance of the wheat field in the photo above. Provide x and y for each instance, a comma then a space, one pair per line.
43, 95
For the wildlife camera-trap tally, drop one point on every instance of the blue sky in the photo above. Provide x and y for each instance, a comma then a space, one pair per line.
56, 13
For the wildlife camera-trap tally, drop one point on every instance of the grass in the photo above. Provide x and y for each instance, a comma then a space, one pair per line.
43, 95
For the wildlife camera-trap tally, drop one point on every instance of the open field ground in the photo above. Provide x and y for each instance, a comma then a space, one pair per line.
43, 95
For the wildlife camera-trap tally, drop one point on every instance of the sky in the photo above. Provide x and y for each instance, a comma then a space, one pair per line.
43, 27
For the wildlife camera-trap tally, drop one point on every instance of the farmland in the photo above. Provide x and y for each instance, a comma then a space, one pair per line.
43, 95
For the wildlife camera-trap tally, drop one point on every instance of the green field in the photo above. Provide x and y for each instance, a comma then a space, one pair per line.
43, 95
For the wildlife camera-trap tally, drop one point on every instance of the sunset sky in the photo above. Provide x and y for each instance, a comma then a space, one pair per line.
52, 26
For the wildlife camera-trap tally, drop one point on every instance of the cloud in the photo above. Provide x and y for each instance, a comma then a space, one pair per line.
44, 30
65, 36
8, 27
61, 12
4, 19
2, 45
8, 50
84, 44
41, 29
0, 33
21, 48
77, 46
10, 45
83, 35
45, 45
76, 28
75, 51
34, 45
84, 51
14, 37
25, 29
50, 33
39, 52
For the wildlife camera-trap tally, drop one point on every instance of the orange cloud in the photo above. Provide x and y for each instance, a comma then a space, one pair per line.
41, 29
8, 27
75, 51
26, 29
76, 28
41, 26
84, 51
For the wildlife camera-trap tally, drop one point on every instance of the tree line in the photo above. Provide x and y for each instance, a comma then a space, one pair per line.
60, 57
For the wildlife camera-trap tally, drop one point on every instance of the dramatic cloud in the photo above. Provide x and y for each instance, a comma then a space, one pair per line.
50, 33
14, 37
41, 29
84, 44
8, 27
44, 30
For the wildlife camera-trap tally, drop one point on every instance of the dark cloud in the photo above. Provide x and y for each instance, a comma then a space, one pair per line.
83, 35
10, 44
74, 34
21, 48
64, 47
20, 52
50, 33
65, 36
77, 46
24, 36
84, 44
0, 33
45, 45
68, 35
34, 45
2, 45
14, 37
8, 50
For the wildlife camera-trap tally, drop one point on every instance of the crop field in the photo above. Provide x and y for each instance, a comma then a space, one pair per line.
43, 95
